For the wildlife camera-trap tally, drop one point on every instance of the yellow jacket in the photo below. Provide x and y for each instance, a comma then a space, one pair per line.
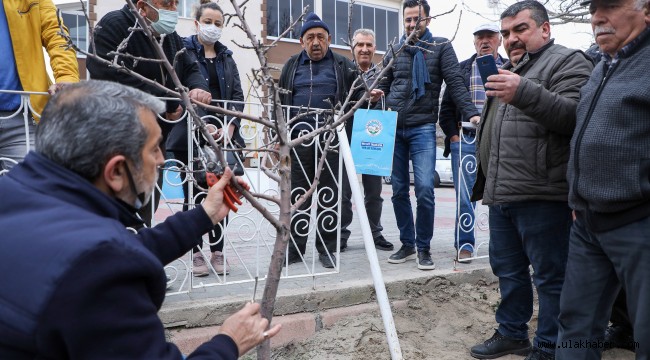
33, 25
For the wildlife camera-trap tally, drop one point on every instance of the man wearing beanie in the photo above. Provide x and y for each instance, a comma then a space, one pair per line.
316, 78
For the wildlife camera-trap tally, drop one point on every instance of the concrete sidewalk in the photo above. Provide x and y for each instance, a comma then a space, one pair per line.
206, 307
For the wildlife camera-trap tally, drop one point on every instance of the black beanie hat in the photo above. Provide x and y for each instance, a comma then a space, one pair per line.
311, 21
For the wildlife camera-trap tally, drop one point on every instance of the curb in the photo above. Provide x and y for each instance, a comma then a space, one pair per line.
190, 323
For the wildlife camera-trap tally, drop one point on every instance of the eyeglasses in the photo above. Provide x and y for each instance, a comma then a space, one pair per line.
411, 19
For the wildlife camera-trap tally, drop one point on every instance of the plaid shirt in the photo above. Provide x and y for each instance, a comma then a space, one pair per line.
476, 88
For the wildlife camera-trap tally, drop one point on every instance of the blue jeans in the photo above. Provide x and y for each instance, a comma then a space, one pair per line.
599, 264
419, 144
529, 233
463, 157
13, 144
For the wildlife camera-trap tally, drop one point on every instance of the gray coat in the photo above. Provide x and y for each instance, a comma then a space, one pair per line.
529, 138
609, 170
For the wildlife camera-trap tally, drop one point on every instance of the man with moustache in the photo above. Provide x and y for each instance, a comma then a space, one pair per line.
412, 87
364, 47
463, 156
610, 239
523, 149
317, 78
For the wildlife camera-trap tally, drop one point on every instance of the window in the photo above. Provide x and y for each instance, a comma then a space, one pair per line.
280, 14
76, 23
186, 8
384, 21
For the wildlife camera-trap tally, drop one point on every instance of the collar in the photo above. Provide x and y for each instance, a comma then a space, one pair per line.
46, 177
304, 58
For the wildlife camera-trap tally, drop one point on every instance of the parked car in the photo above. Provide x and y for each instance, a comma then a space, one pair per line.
441, 176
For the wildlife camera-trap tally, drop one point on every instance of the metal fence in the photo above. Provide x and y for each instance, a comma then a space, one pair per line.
248, 238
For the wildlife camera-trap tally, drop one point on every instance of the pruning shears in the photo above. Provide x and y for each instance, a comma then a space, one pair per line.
213, 172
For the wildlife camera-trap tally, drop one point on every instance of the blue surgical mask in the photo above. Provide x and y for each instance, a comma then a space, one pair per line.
167, 20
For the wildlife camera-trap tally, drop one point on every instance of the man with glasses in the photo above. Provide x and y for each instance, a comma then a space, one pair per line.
412, 88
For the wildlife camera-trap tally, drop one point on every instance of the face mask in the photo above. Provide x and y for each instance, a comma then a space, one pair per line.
167, 20
209, 33
140, 198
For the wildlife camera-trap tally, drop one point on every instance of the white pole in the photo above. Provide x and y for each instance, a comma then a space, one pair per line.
377, 278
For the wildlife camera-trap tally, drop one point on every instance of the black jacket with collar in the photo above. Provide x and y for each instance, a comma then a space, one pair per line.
346, 73
109, 33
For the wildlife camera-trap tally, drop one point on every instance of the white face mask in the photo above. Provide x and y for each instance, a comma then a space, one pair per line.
209, 33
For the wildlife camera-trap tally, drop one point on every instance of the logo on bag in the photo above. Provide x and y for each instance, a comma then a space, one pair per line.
373, 127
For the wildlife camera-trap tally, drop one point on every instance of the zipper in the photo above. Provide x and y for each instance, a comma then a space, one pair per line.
581, 133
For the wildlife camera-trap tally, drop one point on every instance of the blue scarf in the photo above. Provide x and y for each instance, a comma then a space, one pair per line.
420, 74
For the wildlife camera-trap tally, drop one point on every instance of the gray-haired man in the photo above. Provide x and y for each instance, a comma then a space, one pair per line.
364, 47
97, 155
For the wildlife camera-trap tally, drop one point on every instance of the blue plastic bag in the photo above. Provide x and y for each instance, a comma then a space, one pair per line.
373, 141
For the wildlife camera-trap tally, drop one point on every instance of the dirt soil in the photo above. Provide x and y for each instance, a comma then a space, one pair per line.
440, 323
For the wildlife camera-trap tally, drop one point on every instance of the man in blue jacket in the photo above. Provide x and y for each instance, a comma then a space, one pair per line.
93, 287
412, 88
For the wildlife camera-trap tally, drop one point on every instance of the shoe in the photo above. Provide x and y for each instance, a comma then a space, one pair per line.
424, 261
218, 263
617, 336
537, 354
464, 254
292, 259
382, 244
343, 247
199, 267
404, 253
326, 261
499, 345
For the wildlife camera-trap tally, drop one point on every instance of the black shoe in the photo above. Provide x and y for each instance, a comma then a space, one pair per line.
292, 259
617, 336
424, 261
343, 247
326, 261
382, 244
499, 345
537, 354
404, 253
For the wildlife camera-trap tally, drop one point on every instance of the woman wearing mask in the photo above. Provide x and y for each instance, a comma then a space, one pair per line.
220, 72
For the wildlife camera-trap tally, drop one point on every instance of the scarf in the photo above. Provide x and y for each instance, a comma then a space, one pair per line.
420, 74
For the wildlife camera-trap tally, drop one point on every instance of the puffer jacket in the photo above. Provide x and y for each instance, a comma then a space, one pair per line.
529, 138
442, 64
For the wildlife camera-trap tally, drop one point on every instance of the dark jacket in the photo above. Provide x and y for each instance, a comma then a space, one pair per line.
112, 29
229, 86
442, 65
609, 168
529, 138
80, 285
346, 73
450, 115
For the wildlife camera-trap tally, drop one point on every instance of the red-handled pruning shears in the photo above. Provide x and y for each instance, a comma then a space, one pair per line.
213, 172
